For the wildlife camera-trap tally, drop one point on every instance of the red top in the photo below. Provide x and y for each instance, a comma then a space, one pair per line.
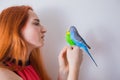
28, 73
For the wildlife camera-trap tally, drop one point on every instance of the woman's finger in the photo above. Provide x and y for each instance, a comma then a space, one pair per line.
62, 57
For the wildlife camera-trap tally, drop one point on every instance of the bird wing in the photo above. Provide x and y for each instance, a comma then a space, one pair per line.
79, 38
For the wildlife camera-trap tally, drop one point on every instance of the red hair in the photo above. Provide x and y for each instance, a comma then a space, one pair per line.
12, 44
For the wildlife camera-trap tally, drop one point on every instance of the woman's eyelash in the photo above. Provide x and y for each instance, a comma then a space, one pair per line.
36, 23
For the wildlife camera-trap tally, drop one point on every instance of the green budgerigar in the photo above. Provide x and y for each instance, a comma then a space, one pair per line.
73, 38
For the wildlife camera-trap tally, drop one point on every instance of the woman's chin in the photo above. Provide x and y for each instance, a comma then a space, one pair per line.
40, 45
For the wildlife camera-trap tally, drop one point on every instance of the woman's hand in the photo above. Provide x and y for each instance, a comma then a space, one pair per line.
70, 59
63, 64
74, 56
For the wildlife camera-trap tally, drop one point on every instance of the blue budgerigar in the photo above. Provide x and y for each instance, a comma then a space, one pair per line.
79, 41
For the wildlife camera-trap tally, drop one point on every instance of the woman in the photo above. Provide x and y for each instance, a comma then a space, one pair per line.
21, 37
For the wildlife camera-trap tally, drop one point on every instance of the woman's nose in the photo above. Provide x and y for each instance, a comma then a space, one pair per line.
44, 29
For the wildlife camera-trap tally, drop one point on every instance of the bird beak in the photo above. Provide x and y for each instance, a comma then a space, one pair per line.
68, 31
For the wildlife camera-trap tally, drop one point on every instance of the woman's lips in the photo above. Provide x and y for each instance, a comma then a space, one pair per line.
42, 37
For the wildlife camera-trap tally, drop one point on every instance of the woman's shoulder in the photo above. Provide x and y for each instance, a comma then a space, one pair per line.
6, 74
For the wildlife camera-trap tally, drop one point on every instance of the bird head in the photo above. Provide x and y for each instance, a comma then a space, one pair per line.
73, 29
68, 32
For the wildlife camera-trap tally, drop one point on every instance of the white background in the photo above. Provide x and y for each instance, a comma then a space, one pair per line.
98, 22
